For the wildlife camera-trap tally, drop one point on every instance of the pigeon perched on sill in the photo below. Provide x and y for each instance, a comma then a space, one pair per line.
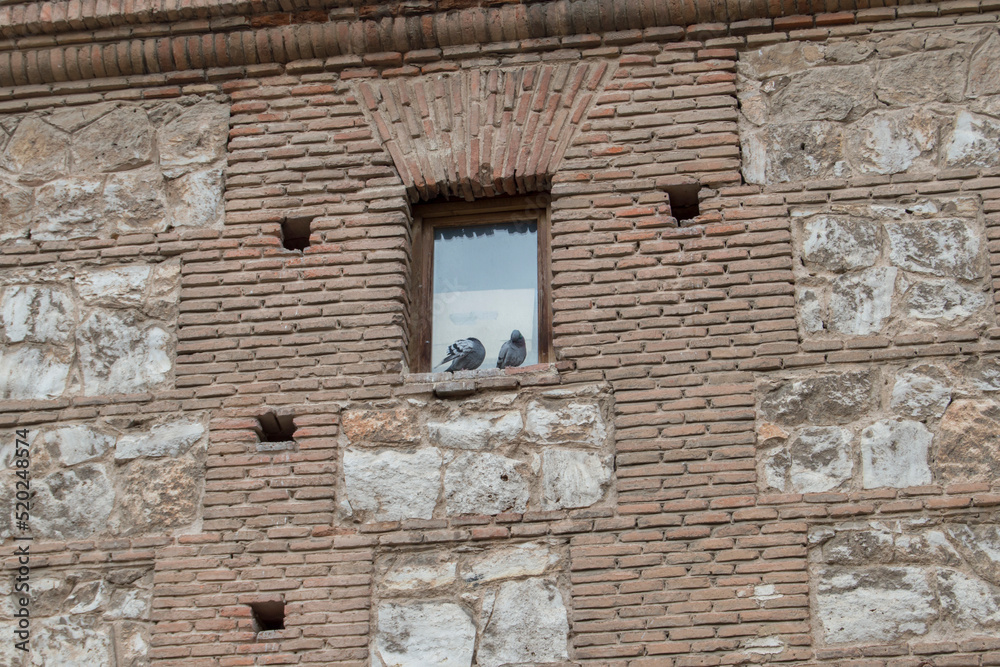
465, 355
513, 351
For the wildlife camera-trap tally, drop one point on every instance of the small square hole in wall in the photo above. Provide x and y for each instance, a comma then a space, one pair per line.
268, 615
683, 200
276, 428
295, 233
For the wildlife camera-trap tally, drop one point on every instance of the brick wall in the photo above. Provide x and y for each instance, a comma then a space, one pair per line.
756, 479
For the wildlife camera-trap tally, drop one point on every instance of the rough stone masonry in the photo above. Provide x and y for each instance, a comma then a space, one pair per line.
770, 433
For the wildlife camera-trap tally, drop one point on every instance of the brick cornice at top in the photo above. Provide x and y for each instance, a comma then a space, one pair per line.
20, 17
124, 50
32, 17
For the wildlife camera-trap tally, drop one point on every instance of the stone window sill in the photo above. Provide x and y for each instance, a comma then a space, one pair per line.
465, 383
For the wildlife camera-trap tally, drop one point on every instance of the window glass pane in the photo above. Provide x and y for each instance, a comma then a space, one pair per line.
485, 286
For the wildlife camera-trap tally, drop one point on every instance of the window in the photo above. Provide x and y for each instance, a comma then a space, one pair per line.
482, 272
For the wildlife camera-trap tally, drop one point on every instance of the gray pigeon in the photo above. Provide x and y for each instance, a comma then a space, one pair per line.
513, 351
465, 355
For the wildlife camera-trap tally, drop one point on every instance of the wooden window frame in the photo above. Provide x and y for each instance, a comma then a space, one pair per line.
428, 217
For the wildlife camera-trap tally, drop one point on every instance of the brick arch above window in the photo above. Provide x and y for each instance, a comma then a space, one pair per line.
482, 132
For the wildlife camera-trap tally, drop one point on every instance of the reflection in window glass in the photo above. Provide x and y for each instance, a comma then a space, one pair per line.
485, 286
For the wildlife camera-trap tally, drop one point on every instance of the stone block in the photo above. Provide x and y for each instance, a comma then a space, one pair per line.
15, 208
922, 77
921, 392
926, 547
158, 494
893, 142
71, 119
780, 59
979, 546
37, 152
973, 140
68, 209
943, 300
984, 76
37, 314
833, 398
391, 485
779, 153
839, 244
396, 425
983, 373
572, 423
847, 92
969, 603
136, 201
774, 467
476, 432
164, 291
70, 445
861, 303
118, 354
170, 439
196, 198
415, 634
821, 459
484, 484
117, 287
122, 139
72, 641
523, 560
810, 308
875, 605
193, 137
848, 52
869, 547
947, 247
894, 454
572, 478
422, 571
918, 578
31, 372
967, 444
73, 504
527, 624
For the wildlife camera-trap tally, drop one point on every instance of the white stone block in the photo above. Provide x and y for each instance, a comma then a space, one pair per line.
393, 485
821, 459
572, 478
574, 423
420, 634
875, 605
523, 560
528, 624
484, 484
894, 454
77, 443
171, 439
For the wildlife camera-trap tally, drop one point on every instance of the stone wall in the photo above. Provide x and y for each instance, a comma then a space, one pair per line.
88, 617
767, 435
890, 426
507, 453
88, 331
917, 101
107, 169
485, 606
925, 580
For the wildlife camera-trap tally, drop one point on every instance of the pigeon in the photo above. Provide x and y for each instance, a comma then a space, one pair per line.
513, 351
465, 355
